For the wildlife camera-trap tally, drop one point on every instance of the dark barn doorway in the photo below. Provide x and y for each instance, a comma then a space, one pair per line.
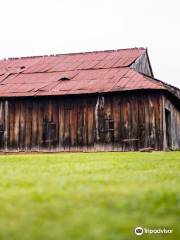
168, 127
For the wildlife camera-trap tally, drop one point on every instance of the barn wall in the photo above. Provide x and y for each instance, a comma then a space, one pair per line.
174, 124
115, 122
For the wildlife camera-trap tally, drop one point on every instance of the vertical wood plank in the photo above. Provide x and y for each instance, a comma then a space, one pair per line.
55, 119
41, 118
80, 121
22, 126
73, 126
61, 125
35, 108
91, 130
6, 127
28, 124
12, 125
2, 124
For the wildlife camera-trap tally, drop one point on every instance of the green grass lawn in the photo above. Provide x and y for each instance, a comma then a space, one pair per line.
89, 196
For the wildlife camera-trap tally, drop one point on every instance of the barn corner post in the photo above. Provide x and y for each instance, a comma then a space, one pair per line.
163, 124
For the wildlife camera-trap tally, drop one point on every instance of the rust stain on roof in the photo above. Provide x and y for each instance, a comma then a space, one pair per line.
91, 72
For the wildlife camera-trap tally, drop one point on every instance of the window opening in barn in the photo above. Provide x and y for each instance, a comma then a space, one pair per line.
111, 128
51, 129
49, 133
110, 124
107, 127
168, 127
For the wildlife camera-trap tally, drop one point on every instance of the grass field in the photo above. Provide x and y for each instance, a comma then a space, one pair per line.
89, 196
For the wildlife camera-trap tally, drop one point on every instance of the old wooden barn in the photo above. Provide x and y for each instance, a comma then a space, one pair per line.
97, 101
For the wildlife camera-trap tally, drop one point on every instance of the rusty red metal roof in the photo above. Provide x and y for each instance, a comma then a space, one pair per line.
92, 72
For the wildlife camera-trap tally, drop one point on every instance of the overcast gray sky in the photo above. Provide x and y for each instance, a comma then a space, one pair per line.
39, 27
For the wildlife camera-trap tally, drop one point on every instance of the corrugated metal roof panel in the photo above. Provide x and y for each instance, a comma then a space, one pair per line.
81, 73
84, 81
66, 62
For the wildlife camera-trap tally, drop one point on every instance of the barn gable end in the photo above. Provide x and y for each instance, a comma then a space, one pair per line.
143, 65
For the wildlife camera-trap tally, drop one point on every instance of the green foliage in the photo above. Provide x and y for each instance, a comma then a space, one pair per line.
89, 196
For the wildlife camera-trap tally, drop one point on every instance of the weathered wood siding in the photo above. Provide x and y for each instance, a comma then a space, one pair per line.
174, 124
142, 65
111, 122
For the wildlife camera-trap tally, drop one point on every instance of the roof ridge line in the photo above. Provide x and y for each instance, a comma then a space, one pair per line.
75, 53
